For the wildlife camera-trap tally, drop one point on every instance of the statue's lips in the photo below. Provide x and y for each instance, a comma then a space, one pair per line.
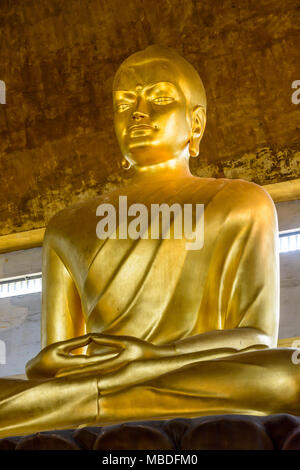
140, 130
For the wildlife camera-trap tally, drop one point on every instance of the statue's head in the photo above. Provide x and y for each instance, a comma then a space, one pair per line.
159, 107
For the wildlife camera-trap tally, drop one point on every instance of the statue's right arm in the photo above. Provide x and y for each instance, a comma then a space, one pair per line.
63, 326
62, 317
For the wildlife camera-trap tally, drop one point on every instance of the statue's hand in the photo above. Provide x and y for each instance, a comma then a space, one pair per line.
130, 349
57, 358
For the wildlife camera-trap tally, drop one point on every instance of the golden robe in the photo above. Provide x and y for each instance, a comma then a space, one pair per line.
158, 291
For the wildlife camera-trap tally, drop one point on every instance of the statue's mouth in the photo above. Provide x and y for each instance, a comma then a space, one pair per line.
140, 130
140, 126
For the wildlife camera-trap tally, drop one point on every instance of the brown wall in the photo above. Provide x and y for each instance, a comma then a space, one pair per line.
58, 59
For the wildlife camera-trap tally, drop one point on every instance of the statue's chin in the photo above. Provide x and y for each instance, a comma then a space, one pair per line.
149, 152
146, 158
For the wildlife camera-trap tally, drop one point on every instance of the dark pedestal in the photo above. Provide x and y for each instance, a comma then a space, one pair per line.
224, 432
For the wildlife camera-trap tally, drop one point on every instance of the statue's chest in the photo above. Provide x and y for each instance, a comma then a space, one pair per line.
143, 287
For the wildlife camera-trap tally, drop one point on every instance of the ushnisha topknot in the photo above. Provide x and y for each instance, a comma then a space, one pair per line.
190, 80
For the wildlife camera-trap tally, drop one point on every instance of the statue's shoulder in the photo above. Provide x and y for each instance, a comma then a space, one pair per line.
73, 220
242, 199
240, 192
248, 201
250, 193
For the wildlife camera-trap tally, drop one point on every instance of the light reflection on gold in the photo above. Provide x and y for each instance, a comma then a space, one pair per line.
143, 329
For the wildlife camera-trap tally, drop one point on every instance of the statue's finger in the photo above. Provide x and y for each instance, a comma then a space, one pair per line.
107, 364
99, 358
108, 341
74, 343
97, 367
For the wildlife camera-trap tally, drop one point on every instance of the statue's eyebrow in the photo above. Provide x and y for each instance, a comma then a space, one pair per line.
167, 85
131, 94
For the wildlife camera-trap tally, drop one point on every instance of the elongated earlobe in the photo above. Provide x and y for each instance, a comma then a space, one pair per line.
198, 126
126, 165
194, 147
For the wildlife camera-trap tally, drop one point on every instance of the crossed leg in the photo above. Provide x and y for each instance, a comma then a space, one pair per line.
28, 406
258, 383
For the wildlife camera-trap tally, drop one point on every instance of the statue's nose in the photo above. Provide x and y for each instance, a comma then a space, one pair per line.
138, 115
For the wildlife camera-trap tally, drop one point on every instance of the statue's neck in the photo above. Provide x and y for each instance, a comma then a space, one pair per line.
172, 169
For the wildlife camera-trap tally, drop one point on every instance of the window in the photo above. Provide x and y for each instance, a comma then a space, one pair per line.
21, 285
289, 240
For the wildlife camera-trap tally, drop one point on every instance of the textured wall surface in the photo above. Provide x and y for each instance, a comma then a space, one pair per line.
58, 60
288, 215
289, 325
23, 339
20, 316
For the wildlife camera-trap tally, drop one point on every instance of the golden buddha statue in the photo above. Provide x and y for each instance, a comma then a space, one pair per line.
136, 329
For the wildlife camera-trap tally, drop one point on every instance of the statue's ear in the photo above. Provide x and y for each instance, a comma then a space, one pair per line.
198, 126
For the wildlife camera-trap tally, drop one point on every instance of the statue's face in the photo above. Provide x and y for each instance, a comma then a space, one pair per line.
151, 115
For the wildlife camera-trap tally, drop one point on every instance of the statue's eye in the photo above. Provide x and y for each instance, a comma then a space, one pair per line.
163, 100
122, 107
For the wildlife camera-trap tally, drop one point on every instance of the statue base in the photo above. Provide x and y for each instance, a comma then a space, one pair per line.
222, 432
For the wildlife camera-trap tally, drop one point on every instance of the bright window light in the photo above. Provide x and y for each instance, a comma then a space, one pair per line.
21, 285
289, 241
